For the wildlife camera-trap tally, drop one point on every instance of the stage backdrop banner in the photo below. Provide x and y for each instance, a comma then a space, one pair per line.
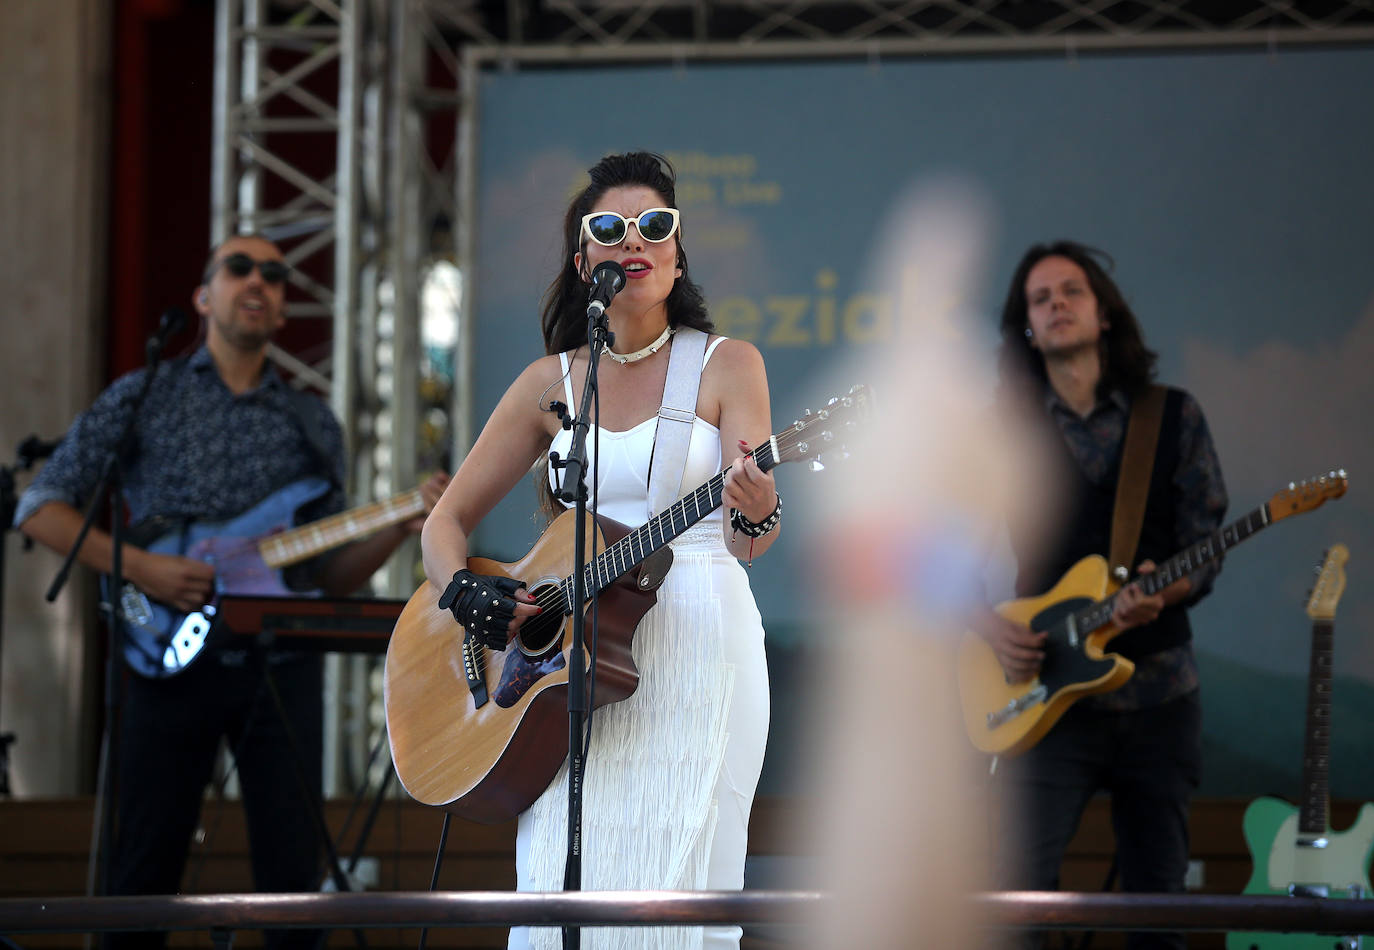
1231, 188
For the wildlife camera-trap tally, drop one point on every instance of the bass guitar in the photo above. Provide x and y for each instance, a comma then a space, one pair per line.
248, 553
1294, 850
1005, 718
482, 733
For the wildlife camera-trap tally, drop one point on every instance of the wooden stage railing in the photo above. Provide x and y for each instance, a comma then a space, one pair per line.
1023, 909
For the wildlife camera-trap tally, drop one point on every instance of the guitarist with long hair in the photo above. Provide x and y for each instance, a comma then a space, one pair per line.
672, 769
1073, 365
219, 433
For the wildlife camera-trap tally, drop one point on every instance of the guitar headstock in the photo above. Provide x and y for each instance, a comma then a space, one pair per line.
825, 432
1305, 496
1321, 605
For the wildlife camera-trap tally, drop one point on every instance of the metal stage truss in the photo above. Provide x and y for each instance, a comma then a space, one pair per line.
341, 129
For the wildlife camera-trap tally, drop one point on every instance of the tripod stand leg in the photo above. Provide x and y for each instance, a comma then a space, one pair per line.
317, 815
373, 810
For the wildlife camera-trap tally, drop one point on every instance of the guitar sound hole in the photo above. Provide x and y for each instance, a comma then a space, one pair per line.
539, 634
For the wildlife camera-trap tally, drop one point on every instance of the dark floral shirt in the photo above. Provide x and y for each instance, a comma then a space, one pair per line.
1199, 504
198, 451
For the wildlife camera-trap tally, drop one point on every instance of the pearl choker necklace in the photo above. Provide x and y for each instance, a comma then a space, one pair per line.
638, 355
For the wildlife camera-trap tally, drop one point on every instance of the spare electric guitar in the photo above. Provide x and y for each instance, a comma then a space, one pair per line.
248, 553
1294, 850
1004, 718
482, 733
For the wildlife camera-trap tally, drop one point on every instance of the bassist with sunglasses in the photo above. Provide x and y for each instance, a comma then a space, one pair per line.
219, 433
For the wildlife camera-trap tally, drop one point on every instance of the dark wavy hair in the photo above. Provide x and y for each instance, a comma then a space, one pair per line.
564, 316
1127, 363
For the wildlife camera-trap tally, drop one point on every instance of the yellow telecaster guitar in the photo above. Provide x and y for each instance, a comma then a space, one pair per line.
1008, 718
1294, 850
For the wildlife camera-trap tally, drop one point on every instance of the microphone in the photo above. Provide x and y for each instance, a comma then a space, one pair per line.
170, 324
607, 279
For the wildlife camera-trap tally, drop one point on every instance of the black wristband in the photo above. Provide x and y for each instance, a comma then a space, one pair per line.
746, 527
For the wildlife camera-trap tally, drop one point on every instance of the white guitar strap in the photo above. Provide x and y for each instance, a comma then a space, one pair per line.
675, 418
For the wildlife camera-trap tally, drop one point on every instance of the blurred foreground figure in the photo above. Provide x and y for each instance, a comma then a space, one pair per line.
905, 527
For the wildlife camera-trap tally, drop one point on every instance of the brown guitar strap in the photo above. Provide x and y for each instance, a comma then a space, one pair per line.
1133, 480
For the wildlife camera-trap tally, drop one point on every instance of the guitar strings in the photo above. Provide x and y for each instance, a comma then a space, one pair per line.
559, 597
555, 599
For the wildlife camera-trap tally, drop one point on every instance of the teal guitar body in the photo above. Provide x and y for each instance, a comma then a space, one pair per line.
1334, 865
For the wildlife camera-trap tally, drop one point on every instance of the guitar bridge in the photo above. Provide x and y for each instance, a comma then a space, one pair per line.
1018, 705
474, 670
134, 607
1309, 890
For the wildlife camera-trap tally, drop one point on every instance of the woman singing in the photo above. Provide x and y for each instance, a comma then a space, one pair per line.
672, 770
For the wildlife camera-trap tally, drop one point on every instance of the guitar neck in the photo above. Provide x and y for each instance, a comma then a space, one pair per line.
629, 551
301, 544
1181, 565
1314, 814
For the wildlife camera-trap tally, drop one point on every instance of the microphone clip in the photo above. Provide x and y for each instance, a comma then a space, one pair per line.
170, 324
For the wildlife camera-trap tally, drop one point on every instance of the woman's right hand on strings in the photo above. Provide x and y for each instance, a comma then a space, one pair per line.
1018, 649
491, 608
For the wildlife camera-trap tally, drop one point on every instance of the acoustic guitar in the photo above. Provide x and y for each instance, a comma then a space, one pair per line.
1294, 850
1005, 718
481, 733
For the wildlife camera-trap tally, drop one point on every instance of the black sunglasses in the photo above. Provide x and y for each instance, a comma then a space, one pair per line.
241, 265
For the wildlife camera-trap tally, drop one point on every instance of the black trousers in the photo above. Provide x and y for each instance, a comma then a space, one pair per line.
1149, 761
170, 731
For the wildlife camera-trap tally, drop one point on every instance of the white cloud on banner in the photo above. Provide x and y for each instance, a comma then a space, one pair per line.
1283, 411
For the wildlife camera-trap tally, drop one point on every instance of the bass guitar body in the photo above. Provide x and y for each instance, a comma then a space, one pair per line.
161, 641
1333, 865
1008, 718
488, 762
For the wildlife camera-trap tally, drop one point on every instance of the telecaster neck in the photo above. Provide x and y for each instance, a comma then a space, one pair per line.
1181, 565
1314, 816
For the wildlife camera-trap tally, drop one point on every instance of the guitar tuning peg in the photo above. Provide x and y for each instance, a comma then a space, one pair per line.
816, 465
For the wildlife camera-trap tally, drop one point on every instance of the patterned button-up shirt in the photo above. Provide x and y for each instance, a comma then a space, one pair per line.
198, 451
1199, 503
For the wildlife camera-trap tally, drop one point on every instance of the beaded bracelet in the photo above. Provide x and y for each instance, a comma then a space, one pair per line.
746, 527
754, 531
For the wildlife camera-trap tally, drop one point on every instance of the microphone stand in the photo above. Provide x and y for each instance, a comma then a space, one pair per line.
574, 489
111, 483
